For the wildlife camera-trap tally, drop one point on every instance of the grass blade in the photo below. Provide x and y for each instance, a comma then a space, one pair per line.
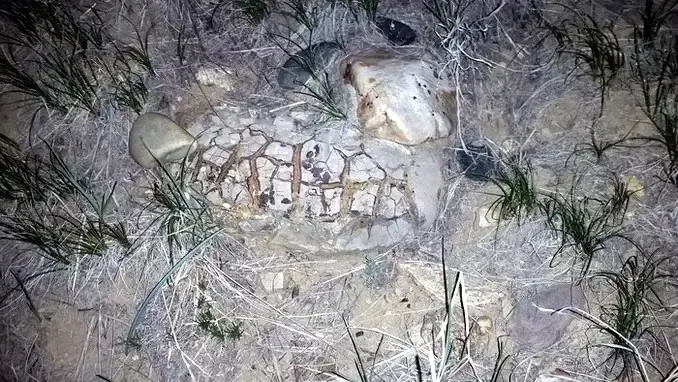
31, 306
159, 285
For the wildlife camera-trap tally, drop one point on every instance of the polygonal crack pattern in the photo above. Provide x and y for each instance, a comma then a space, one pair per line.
313, 179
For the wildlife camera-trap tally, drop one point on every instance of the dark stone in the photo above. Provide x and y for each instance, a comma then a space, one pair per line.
477, 161
398, 33
298, 69
266, 197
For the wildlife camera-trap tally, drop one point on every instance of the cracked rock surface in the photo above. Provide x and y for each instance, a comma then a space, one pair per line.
335, 187
322, 189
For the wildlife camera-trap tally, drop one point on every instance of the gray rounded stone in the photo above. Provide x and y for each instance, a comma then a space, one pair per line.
154, 136
533, 323
298, 69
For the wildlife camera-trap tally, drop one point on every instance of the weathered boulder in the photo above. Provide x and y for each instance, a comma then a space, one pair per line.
400, 99
325, 188
154, 136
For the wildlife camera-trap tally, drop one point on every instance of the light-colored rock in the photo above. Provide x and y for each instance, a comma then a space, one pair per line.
402, 100
273, 281
338, 187
303, 117
215, 77
486, 218
485, 325
356, 192
214, 198
154, 136
425, 179
482, 335
428, 276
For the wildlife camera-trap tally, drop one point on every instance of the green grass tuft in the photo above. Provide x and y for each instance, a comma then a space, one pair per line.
183, 214
518, 196
321, 90
585, 223
598, 147
60, 58
595, 48
254, 11
370, 8
636, 286
655, 68
55, 212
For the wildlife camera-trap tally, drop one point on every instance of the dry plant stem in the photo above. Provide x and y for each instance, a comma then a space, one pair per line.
173, 323
438, 370
273, 312
596, 321
161, 283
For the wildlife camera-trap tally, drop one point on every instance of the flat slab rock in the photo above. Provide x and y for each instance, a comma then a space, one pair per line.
328, 189
533, 326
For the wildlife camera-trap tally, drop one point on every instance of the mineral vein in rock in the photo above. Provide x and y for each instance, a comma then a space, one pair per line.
311, 178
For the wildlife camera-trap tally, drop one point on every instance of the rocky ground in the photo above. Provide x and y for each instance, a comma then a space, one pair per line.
323, 191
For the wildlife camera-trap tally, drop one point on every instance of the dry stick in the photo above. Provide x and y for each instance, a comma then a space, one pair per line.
672, 376
290, 106
85, 346
28, 356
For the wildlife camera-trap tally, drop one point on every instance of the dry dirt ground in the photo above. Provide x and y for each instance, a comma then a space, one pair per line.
391, 300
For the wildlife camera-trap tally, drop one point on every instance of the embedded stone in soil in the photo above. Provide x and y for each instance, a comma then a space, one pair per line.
397, 32
299, 68
535, 325
156, 138
477, 162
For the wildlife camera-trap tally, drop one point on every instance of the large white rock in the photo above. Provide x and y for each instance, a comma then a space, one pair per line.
337, 187
154, 136
402, 100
